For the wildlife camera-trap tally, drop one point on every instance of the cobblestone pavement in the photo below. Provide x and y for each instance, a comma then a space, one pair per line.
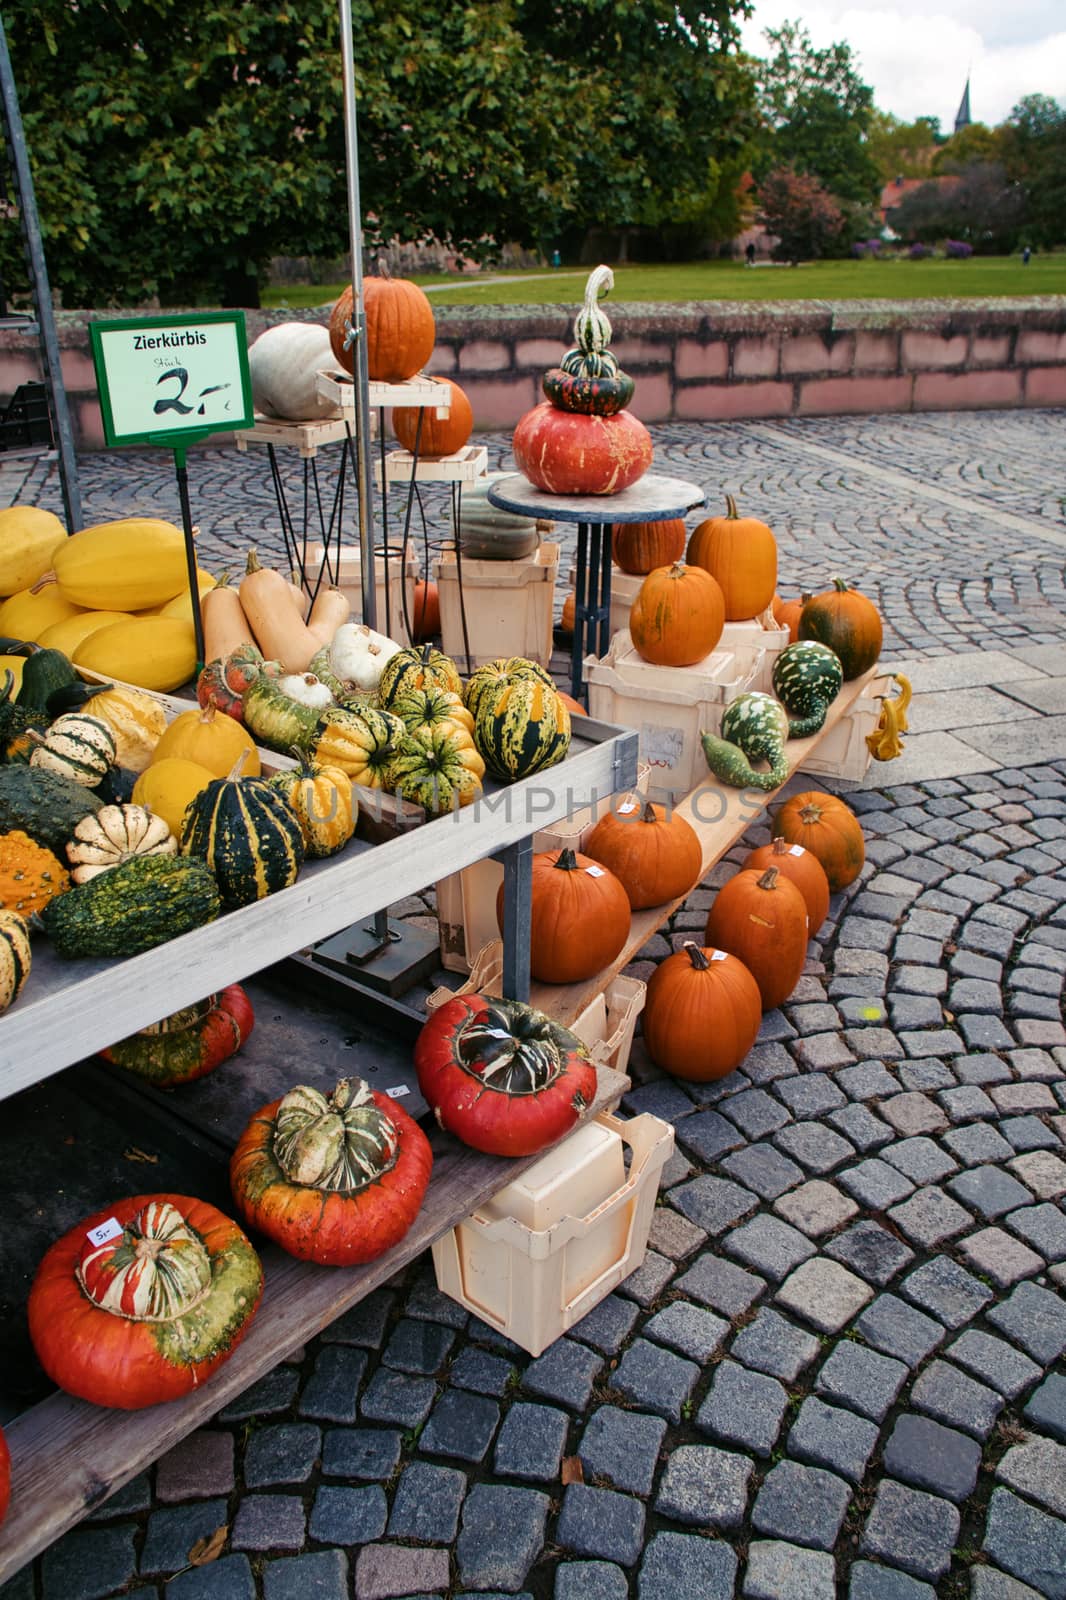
839, 1370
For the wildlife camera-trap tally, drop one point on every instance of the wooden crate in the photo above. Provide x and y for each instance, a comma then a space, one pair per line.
433, 393
306, 437
467, 464
509, 606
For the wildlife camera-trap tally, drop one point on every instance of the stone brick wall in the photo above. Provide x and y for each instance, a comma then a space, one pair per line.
713, 360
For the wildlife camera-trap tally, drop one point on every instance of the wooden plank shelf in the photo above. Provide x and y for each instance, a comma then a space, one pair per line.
465, 466
306, 437
433, 393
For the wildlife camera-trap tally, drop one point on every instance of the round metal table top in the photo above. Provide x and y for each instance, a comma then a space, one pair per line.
651, 499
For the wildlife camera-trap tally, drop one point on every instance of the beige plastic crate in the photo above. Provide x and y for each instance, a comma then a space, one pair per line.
606, 1026
466, 901
348, 566
843, 752
509, 606
668, 707
532, 1284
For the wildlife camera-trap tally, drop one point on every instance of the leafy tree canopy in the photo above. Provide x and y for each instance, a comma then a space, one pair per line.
807, 220
178, 144
902, 149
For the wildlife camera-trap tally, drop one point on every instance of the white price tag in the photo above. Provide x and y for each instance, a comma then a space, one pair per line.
719, 955
397, 1091
594, 872
797, 850
105, 1232
628, 808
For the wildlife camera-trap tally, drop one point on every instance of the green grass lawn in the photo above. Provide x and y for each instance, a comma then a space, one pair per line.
727, 280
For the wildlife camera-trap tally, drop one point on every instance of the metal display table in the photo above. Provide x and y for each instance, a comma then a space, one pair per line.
652, 499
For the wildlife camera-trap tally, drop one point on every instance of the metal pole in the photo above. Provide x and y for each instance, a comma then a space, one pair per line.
363, 473
42, 294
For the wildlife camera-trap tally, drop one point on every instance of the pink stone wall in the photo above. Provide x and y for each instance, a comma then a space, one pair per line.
710, 360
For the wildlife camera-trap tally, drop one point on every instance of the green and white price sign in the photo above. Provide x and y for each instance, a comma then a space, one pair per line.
170, 380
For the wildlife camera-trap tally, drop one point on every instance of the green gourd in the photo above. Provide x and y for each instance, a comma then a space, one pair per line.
807, 678
754, 728
275, 719
137, 906
44, 672
43, 804
521, 727
250, 838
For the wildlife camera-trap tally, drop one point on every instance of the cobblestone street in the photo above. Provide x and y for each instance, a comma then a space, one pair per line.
839, 1371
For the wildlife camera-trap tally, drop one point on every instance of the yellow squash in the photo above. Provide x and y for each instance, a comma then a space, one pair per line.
149, 652
27, 614
167, 787
181, 605
28, 538
123, 566
212, 739
73, 631
137, 721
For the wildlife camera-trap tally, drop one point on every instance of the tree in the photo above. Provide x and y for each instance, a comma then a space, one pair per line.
1034, 146
799, 210
178, 144
817, 111
975, 142
901, 149
980, 206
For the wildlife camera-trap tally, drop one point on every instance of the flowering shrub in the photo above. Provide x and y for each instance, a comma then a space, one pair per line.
920, 252
866, 247
958, 250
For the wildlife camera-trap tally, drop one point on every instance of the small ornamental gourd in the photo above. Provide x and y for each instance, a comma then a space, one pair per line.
14, 957
677, 616
78, 747
521, 727
137, 721
106, 838
848, 623
807, 677
579, 917
655, 856
211, 739
358, 655
321, 797
248, 836
492, 675
30, 875
581, 440
143, 1301
189, 1043
223, 681
829, 829
885, 741
43, 804
761, 917
139, 905
438, 768
502, 1076
754, 728
702, 1014
275, 718
432, 708
337, 1179
418, 666
362, 744
741, 553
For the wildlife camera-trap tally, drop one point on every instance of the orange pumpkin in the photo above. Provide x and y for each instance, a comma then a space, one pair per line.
566, 619
575, 708
761, 918
655, 857
829, 829
846, 621
440, 436
702, 1014
677, 616
640, 547
425, 612
787, 614
741, 553
801, 868
400, 330
579, 919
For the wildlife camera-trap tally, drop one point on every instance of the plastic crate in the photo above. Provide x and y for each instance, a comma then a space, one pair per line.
843, 752
466, 901
509, 606
668, 707
347, 568
606, 1026
532, 1284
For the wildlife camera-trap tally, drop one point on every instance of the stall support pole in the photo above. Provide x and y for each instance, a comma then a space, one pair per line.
517, 862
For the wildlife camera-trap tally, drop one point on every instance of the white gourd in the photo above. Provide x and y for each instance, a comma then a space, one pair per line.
305, 688
283, 363
358, 654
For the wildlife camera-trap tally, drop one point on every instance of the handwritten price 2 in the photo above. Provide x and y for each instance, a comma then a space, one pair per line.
174, 402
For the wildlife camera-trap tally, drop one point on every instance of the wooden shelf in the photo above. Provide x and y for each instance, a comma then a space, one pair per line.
465, 466
720, 815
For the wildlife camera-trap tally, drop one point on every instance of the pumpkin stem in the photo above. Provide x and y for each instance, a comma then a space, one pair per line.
840, 585
768, 879
732, 514
695, 955
678, 569
567, 860
43, 582
805, 596
649, 813
234, 775
782, 846
253, 563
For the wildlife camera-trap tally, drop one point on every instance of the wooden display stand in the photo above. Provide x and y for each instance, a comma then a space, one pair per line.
509, 606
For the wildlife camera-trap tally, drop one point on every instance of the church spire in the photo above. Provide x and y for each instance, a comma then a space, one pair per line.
963, 118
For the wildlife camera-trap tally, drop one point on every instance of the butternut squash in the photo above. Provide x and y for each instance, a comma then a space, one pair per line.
280, 631
122, 566
28, 539
226, 628
330, 611
150, 652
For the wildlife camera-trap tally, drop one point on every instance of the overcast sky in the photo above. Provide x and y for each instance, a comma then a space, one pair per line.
915, 54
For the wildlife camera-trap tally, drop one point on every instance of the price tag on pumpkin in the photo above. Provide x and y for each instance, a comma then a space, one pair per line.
628, 808
796, 850
719, 955
397, 1091
594, 872
105, 1232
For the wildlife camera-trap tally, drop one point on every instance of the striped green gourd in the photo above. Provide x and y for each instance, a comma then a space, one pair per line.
247, 834
590, 357
137, 906
14, 957
78, 747
807, 678
419, 666
754, 728
521, 728
491, 676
